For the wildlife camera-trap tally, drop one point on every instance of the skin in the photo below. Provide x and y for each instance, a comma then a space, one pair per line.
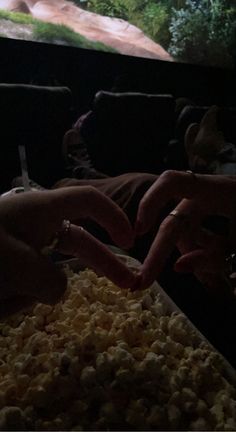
29, 222
197, 196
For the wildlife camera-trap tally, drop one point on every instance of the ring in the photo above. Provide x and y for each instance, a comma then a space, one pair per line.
65, 228
230, 272
191, 173
178, 215
230, 263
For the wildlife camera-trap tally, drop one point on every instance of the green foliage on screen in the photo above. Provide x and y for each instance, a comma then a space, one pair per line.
198, 31
51, 33
204, 31
16, 17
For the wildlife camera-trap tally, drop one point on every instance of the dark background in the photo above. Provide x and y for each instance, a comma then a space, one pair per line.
86, 72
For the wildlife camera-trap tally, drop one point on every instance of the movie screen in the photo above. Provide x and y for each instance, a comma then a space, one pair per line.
190, 31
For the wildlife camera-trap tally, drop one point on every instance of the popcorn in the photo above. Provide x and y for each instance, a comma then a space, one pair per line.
174, 415
11, 418
109, 359
156, 417
199, 425
88, 376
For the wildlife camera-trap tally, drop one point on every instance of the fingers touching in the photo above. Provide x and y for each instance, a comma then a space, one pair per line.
92, 253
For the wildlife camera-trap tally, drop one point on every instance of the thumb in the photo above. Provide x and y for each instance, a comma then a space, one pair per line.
190, 262
200, 260
25, 272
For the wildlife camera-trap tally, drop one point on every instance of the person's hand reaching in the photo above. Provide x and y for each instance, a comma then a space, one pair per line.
197, 196
29, 222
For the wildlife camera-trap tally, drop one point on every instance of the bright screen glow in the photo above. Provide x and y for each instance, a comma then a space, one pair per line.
191, 31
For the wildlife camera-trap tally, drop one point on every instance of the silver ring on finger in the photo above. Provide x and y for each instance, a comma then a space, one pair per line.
192, 174
177, 214
57, 238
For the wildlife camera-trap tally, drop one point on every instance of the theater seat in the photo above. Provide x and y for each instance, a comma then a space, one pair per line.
126, 132
36, 117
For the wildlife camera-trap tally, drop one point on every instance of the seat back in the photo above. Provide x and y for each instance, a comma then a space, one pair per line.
129, 131
36, 117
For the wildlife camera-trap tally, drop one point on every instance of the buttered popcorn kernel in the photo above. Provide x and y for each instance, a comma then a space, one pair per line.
109, 359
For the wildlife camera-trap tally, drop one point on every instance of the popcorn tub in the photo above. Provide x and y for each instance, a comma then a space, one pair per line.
110, 359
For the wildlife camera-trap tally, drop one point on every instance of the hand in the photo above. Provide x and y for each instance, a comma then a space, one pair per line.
28, 223
197, 196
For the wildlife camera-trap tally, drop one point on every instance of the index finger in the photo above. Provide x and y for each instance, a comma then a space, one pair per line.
166, 239
74, 203
212, 192
92, 253
170, 185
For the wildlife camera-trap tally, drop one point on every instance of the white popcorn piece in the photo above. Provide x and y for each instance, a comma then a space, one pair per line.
175, 398
147, 301
230, 425
123, 357
188, 395
138, 353
42, 309
201, 408
108, 411
104, 365
137, 412
116, 350
174, 415
218, 411
200, 424
152, 362
157, 309
88, 376
124, 376
156, 417
11, 418
157, 347
23, 381
135, 307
